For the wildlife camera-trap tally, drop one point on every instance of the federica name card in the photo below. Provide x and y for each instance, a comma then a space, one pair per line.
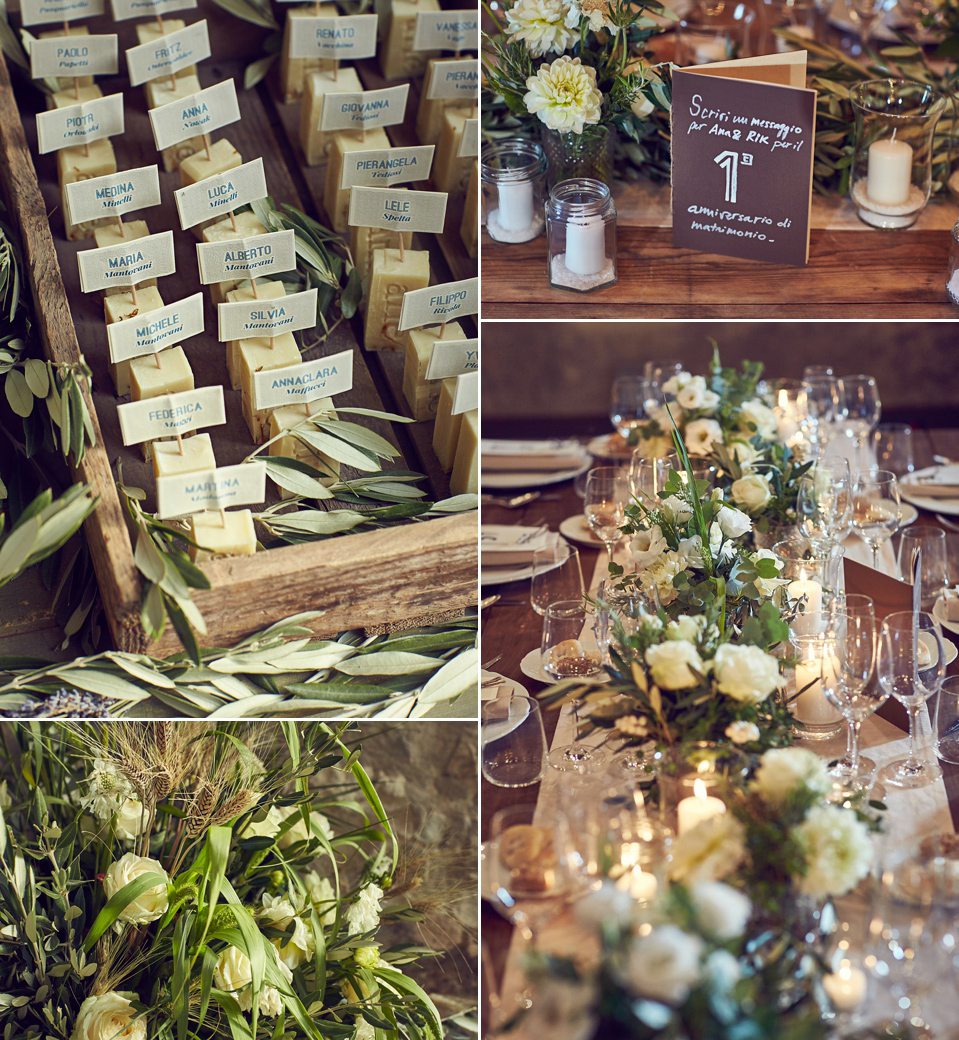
742, 153
171, 413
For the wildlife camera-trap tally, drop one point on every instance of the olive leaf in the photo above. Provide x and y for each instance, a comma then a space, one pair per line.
18, 393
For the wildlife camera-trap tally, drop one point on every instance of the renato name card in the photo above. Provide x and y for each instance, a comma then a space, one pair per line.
343, 38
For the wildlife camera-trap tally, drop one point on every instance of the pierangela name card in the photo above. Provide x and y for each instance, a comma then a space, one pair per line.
386, 166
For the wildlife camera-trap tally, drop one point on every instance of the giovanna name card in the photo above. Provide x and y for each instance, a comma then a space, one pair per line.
743, 134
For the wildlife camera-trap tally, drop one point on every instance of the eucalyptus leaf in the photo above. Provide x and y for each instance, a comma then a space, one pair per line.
148, 559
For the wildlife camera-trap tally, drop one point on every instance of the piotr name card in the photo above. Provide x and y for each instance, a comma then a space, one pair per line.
74, 56
365, 109
220, 193
454, 357
344, 38
466, 393
743, 134
42, 12
250, 319
124, 9
253, 257
168, 54
128, 263
196, 114
454, 80
171, 413
386, 166
180, 494
439, 303
79, 124
446, 31
113, 194
401, 210
294, 384
151, 332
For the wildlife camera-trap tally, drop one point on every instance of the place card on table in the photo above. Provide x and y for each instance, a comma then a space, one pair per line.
399, 210
168, 54
181, 494
124, 9
150, 333
199, 113
536, 456
454, 80
386, 166
43, 12
65, 56
113, 194
446, 31
453, 358
466, 393
83, 123
365, 109
511, 545
469, 140
742, 153
171, 414
248, 319
221, 193
294, 384
337, 38
439, 303
128, 263
253, 257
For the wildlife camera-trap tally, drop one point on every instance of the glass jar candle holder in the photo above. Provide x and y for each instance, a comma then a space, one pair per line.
952, 274
715, 30
514, 189
892, 167
815, 717
797, 17
814, 577
581, 231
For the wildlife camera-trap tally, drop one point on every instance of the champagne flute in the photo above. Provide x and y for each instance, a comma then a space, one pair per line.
648, 476
859, 606
861, 410
877, 510
912, 665
557, 574
934, 575
607, 493
626, 398
824, 502
865, 14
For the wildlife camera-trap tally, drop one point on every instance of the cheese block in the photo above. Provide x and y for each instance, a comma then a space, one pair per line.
429, 116
79, 163
256, 355
109, 235
469, 226
398, 60
422, 394
291, 447
162, 92
223, 157
446, 429
235, 537
68, 97
463, 479
197, 455
293, 71
148, 32
73, 30
336, 200
390, 278
363, 240
243, 293
173, 376
248, 224
314, 141
451, 173
119, 306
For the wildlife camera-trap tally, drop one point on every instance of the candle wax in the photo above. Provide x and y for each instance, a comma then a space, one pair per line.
846, 988
698, 808
812, 705
811, 591
585, 245
889, 172
515, 205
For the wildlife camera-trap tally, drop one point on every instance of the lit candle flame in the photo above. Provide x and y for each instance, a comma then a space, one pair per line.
699, 789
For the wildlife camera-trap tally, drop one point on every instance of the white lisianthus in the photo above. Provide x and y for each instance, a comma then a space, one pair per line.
632, 725
597, 11
838, 851
109, 1016
108, 790
722, 911
734, 523
665, 964
676, 383
745, 455
268, 827
647, 547
761, 416
676, 509
541, 25
690, 551
299, 831
131, 819
563, 95
720, 547
752, 492
692, 394
746, 673
233, 973
686, 627
710, 851
363, 915
659, 578
702, 436
279, 912
670, 663
768, 586
742, 732
722, 971
149, 905
606, 903
782, 770
321, 895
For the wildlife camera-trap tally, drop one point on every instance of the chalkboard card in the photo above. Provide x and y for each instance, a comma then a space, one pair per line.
742, 153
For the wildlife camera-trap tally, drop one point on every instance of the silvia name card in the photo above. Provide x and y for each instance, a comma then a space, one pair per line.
249, 319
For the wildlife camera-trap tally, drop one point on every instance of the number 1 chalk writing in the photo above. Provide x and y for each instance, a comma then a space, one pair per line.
729, 161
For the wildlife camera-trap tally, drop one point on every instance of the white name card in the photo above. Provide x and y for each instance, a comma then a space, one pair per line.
151, 332
446, 31
361, 110
199, 113
42, 12
220, 193
253, 257
171, 413
398, 209
386, 166
343, 39
127, 264
124, 9
79, 124
74, 56
181, 494
435, 303
453, 80
454, 357
253, 318
113, 194
469, 142
465, 393
306, 382
168, 54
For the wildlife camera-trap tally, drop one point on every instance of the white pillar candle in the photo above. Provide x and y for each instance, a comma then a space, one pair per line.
846, 988
710, 50
812, 706
515, 205
805, 588
698, 808
889, 174
585, 245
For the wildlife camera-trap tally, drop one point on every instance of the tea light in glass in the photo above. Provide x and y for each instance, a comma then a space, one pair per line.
581, 229
513, 176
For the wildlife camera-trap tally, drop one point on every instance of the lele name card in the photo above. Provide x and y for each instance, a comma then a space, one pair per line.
113, 194
168, 54
438, 303
455, 357
181, 494
253, 318
401, 210
386, 166
306, 382
252, 257
220, 193
199, 113
465, 393
42, 12
362, 110
343, 38
74, 56
127, 263
446, 31
451, 80
742, 153
172, 413
151, 332
124, 9
79, 124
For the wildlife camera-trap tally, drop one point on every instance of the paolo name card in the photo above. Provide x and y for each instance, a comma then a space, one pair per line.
743, 134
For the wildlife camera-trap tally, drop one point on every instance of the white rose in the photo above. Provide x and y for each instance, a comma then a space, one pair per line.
233, 973
131, 819
149, 905
722, 911
658, 578
782, 770
742, 732
745, 454
746, 673
363, 915
702, 435
299, 830
752, 492
761, 416
109, 1016
734, 523
768, 586
722, 970
838, 851
606, 903
711, 851
686, 628
664, 965
690, 551
647, 546
298, 948
693, 394
670, 664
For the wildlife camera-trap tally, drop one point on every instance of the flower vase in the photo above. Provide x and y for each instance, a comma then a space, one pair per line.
589, 154
775, 533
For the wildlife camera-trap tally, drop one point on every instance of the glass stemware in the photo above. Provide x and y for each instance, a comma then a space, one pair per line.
824, 502
877, 510
656, 373
934, 574
824, 405
865, 14
892, 443
912, 665
607, 494
648, 476
626, 409
557, 574
861, 411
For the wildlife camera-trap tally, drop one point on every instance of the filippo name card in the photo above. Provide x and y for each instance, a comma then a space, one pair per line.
113, 194
253, 318
181, 494
42, 12
340, 39
127, 263
454, 357
151, 332
124, 9
365, 109
465, 393
252, 257
454, 80
220, 193
171, 413
401, 210
73, 56
386, 166
446, 31
199, 113
168, 54
438, 303
306, 382
79, 124
742, 154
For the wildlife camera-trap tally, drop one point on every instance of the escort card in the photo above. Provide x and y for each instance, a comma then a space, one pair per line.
171, 413
252, 257
168, 54
251, 318
400, 210
79, 124
742, 155
466, 393
454, 80
42, 12
340, 38
199, 113
124, 9
112, 194
453, 357
181, 494
438, 303
469, 141
74, 56
364, 109
220, 193
296, 383
387, 166
151, 332
446, 31
127, 264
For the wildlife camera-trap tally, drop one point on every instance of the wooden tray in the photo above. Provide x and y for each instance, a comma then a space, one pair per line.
396, 574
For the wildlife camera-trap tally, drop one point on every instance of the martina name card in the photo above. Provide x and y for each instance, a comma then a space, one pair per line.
172, 413
365, 109
401, 210
74, 56
253, 257
113, 194
454, 357
435, 303
465, 393
199, 113
42, 12
743, 134
151, 332
181, 494
127, 263
124, 9
343, 38
79, 124
386, 166
220, 193
452, 80
446, 31
249, 319
168, 54
306, 382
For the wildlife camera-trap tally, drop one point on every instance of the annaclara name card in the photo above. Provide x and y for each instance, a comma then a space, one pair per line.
743, 134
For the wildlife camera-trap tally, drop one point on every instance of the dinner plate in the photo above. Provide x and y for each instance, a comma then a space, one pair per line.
504, 575
533, 479
602, 449
532, 666
949, 506
939, 613
926, 638
909, 514
576, 529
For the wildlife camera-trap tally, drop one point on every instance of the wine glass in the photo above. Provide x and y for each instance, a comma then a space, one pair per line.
626, 410
824, 502
876, 510
912, 665
861, 409
824, 405
607, 493
648, 476
655, 374
513, 741
892, 443
865, 14
934, 575
557, 574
